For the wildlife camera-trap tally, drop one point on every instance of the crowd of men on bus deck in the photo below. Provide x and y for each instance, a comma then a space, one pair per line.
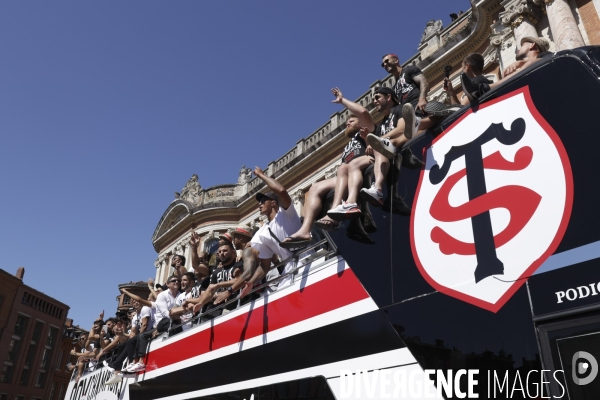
245, 259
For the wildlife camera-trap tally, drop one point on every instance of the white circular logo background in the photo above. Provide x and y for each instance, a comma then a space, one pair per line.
544, 179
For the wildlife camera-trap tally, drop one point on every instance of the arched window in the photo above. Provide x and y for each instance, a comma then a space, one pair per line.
211, 246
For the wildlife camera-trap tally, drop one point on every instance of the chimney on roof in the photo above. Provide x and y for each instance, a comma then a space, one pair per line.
20, 273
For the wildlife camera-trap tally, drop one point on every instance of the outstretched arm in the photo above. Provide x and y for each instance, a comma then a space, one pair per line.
364, 116
136, 297
284, 198
197, 261
151, 287
107, 348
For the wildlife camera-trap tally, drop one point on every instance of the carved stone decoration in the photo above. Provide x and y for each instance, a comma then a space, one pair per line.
224, 192
516, 10
192, 191
245, 175
431, 29
500, 40
521, 16
211, 234
331, 172
179, 247
298, 196
178, 218
157, 263
182, 244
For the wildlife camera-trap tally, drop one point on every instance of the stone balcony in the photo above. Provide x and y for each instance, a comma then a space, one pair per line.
324, 140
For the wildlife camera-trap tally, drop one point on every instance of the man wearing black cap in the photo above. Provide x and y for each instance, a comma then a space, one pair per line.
283, 221
386, 102
411, 89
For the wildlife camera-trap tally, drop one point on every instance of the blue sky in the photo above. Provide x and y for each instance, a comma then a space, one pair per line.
107, 109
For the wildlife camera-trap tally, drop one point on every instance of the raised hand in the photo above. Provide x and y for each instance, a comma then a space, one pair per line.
258, 172
338, 95
448, 85
364, 131
194, 240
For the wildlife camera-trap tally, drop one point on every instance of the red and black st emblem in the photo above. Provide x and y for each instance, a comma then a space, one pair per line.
493, 202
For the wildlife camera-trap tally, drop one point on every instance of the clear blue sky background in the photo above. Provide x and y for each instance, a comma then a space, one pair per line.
108, 107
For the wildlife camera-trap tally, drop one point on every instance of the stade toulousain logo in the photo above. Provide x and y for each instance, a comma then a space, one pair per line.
493, 202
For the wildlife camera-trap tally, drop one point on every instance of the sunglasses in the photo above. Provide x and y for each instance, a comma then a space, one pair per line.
386, 61
174, 280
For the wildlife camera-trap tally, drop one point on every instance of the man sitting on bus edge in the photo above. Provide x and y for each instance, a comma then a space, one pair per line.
472, 67
531, 51
283, 221
348, 181
411, 89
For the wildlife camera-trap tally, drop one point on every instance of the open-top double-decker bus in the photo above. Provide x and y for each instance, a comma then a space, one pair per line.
491, 287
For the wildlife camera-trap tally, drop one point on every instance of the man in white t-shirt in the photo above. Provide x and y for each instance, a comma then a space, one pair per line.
178, 312
283, 222
165, 301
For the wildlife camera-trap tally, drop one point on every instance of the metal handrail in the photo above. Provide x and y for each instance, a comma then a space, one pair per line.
332, 250
295, 257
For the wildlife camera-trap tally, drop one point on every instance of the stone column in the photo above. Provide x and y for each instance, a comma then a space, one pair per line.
157, 272
521, 16
565, 31
163, 270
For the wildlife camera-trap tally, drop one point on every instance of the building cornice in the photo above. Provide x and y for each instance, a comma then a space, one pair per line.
196, 206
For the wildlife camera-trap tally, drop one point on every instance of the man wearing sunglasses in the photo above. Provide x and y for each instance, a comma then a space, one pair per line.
283, 221
411, 89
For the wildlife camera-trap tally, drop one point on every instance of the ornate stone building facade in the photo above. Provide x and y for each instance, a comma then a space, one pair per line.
491, 27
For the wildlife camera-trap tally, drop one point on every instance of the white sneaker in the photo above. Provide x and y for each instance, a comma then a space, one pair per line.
136, 367
116, 378
382, 146
408, 115
344, 211
373, 195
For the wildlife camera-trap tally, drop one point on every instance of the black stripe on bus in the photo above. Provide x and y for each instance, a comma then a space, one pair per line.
360, 336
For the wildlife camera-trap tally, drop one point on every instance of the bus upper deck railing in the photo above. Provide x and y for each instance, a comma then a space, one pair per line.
322, 248
317, 251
